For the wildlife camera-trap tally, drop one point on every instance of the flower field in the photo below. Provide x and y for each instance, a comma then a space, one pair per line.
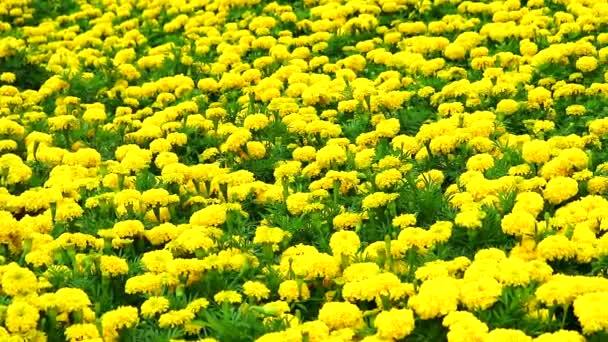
304, 171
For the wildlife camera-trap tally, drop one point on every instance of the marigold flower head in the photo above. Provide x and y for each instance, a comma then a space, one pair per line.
256, 290
115, 320
292, 290
228, 296
395, 323
153, 306
339, 315
21, 317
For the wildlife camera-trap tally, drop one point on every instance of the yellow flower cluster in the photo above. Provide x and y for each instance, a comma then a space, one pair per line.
248, 170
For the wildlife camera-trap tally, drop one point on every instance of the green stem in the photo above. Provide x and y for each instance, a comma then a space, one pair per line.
565, 314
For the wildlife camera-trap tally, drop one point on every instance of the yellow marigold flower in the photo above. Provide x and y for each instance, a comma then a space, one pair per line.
287, 170
470, 218
576, 110
360, 271
331, 155
304, 153
387, 178
95, 113
62, 122
128, 228
378, 199
67, 210
290, 335
7, 145
435, 298
296, 203
197, 305
480, 162
404, 220
507, 106
528, 48
539, 270
208, 154
513, 272
441, 231
195, 239
113, 266
406, 143
531, 202
208, 84
598, 127
228, 296
158, 197
416, 237
395, 323
556, 247
72, 299
113, 321
153, 306
348, 106
256, 290
597, 185
156, 261
481, 293
574, 158
539, 97
339, 315
236, 140
443, 144
212, 215
21, 317
455, 51
562, 336
123, 56
536, 151
175, 173
269, 235
162, 233
255, 149
346, 221
354, 62
450, 108
508, 335
432, 270
364, 158
344, 243
388, 128
146, 283
175, 318
18, 281
586, 63
541, 126
583, 175
177, 138
519, 223
464, 327
316, 331
256, 122
560, 189
14, 170
8, 77
562, 289
81, 332
165, 158
292, 290
310, 266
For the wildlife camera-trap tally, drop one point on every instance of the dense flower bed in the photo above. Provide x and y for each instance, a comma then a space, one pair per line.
316, 170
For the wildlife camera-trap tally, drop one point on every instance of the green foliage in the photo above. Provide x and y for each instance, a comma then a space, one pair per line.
49, 9
28, 75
